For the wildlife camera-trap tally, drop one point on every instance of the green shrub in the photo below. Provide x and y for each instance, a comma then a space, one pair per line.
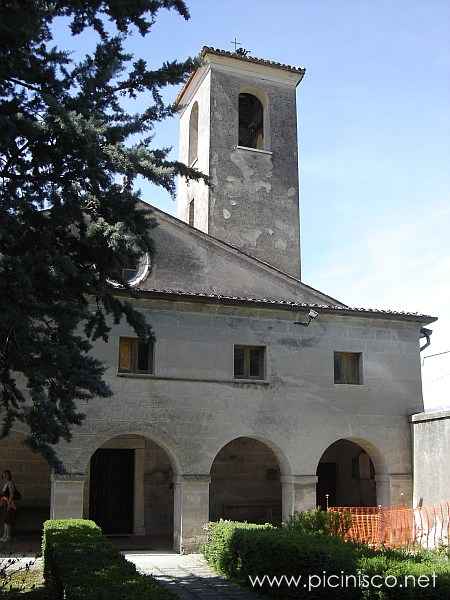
219, 551
81, 564
319, 521
240, 550
399, 564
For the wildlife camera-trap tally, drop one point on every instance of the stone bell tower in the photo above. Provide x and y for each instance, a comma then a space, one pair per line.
238, 125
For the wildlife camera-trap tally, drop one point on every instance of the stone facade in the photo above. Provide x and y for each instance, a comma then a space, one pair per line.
253, 200
204, 443
192, 407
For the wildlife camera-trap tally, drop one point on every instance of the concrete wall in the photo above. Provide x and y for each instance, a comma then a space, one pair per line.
431, 438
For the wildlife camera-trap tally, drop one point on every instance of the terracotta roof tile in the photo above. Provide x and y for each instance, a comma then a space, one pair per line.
218, 298
253, 59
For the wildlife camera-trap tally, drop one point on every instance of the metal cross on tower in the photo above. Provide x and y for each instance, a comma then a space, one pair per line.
235, 43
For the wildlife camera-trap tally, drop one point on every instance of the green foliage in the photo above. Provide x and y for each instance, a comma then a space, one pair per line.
67, 140
240, 550
81, 564
219, 550
319, 521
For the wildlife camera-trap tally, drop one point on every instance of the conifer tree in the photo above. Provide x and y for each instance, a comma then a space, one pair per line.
69, 215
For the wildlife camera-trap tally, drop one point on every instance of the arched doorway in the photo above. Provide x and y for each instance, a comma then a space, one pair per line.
31, 474
245, 483
346, 473
129, 489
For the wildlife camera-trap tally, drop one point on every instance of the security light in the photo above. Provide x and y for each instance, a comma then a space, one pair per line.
312, 314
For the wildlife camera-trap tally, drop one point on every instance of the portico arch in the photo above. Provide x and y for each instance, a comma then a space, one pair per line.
347, 474
129, 489
246, 482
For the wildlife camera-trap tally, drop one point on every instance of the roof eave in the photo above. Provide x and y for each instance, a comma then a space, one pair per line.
279, 305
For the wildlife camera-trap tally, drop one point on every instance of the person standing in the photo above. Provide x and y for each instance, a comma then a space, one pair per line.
7, 496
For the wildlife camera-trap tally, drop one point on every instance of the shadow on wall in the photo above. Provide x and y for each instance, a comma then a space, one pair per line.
31, 475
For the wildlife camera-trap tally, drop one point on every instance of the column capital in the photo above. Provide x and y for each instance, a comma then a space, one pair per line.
299, 479
192, 478
68, 477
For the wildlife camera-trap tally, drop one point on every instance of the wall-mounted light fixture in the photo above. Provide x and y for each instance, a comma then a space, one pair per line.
312, 314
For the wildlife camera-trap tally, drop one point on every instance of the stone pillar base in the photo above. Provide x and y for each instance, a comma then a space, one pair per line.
191, 512
394, 489
66, 499
299, 493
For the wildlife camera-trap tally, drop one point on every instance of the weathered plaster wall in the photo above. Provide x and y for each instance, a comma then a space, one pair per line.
192, 406
186, 259
158, 491
254, 196
431, 435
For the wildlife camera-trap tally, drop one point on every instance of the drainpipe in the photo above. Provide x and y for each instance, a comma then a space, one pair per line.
425, 333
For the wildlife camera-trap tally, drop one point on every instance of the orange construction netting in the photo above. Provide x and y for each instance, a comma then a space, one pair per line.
398, 526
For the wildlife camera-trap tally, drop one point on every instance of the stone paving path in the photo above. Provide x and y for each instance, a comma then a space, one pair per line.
188, 576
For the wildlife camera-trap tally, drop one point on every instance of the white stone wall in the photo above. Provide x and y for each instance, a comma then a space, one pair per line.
431, 434
196, 190
192, 407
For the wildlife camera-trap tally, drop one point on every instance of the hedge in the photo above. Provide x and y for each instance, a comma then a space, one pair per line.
240, 550
81, 564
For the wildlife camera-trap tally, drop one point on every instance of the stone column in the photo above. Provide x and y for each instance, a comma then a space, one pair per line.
66, 497
394, 489
139, 504
298, 493
191, 511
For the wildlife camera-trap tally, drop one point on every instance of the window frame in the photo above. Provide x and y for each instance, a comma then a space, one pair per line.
247, 361
134, 357
359, 357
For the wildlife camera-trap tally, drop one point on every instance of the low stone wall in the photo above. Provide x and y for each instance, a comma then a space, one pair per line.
431, 439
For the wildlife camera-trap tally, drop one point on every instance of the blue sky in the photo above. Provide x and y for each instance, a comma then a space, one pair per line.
374, 137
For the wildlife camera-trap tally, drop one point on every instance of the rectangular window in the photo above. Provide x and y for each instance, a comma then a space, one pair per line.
135, 356
249, 362
347, 367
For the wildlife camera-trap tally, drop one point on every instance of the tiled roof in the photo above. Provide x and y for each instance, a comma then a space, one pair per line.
218, 298
253, 59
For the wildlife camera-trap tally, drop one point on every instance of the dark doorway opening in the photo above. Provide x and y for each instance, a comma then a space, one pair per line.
326, 484
347, 474
111, 494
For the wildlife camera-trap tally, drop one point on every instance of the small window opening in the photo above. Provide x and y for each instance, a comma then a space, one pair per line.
135, 355
191, 212
251, 118
347, 367
249, 362
193, 135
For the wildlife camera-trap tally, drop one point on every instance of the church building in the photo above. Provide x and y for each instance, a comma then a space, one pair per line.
260, 396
